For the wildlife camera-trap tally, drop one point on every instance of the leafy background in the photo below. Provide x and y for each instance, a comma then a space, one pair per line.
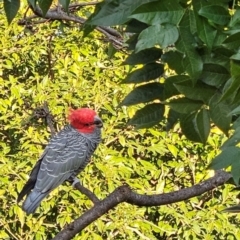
61, 67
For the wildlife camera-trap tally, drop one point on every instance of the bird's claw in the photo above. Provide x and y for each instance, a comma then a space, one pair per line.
75, 181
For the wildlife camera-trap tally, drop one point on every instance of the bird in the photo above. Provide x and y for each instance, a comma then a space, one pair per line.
65, 156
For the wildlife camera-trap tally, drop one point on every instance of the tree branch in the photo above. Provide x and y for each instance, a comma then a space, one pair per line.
86, 192
58, 14
125, 194
49, 119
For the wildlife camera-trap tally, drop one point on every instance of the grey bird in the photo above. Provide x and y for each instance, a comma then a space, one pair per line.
66, 155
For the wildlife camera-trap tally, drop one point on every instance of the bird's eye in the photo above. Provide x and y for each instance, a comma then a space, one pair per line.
98, 123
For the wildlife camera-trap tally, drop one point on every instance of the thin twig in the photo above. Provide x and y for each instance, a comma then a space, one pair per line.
87, 192
58, 14
49, 119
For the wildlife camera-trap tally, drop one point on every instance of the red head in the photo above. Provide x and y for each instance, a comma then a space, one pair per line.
85, 120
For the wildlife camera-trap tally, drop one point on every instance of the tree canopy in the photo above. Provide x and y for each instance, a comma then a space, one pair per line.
164, 76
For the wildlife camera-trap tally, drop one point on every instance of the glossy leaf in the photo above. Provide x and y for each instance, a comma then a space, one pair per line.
163, 35
192, 62
200, 91
184, 105
215, 13
45, 5
232, 86
148, 72
202, 126
135, 26
236, 17
169, 85
172, 119
65, 4
144, 56
214, 74
11, 8
166, 11
235, 170
233, 41
233, 140
235, 111
148, 116
219, 113
115, 12
188, 126
144, 93
225, 158
206, 32
174, 60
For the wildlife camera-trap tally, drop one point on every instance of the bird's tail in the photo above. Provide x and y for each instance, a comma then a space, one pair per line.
33, 200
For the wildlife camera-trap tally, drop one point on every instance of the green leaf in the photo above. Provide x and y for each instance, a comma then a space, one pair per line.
236, 56
147, 72
192, 62
169, 85
200, 91
206, 32
233, 41
174, 60
225, 158
132, 42
172, 119
144, 56
202, 124
148, 116
165, 11
221, 57
144, 93
65, 4
232, 86
236, 124
45, 5
115, 12
11, 8
219, 113
184, 105
32, 3
215, 13
214, 74
135, 26
163, 35
235, 18
188, 126
235, 111
235, 171
233, 140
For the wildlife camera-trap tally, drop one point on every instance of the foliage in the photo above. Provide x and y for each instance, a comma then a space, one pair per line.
197, 44
60, 67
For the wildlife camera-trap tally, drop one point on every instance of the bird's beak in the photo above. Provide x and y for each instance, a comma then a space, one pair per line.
98, 122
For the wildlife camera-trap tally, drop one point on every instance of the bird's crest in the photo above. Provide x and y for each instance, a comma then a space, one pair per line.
82, 115
82, 118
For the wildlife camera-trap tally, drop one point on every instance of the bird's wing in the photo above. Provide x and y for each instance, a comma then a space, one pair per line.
65, 154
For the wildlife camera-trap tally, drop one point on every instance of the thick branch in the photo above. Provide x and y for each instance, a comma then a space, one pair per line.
183, 194
125, 194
